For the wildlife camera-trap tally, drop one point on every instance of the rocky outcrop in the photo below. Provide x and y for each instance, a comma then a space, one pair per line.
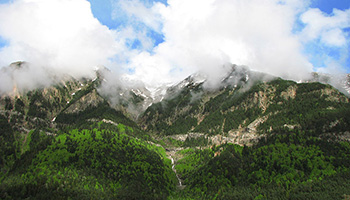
92, 99
38, 108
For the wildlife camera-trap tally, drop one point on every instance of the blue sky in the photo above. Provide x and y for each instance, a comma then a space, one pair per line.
328, 6
161, 41
103, 11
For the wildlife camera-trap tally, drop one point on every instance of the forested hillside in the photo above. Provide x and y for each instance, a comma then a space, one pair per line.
293, 165
68, 141
88, 164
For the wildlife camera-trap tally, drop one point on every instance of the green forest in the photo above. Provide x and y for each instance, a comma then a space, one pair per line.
288, 166
88, 164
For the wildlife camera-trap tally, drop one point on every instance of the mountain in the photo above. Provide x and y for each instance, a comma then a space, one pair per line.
246, 106
248, 136
293, 138
70, 101
69, 140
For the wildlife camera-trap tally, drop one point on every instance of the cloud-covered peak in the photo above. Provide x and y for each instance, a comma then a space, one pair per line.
60, 34
159, 42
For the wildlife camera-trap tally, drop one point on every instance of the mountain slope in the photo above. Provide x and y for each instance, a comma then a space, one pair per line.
66, 103
38, 107
90, 164
245, 105
68, 141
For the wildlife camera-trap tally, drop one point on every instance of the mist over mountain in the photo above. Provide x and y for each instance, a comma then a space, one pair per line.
288, 39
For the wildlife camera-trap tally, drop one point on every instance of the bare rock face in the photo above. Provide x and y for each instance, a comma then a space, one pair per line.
290, 93
91, 99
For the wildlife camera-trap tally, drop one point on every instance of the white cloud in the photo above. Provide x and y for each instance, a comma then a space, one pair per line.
334, 37
139, 18
153, 70
147, 15
329, 29
60, 34
203, 35
327, 36
199, 35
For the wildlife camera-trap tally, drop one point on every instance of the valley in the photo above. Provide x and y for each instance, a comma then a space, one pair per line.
253, 136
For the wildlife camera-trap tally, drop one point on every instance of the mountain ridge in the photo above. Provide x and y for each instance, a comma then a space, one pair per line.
73, 96
241, 107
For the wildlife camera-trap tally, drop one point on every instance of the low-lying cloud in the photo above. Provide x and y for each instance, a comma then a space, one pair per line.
280, 37
60, 36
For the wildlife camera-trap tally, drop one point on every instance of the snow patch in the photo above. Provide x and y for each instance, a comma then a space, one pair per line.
138, 93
